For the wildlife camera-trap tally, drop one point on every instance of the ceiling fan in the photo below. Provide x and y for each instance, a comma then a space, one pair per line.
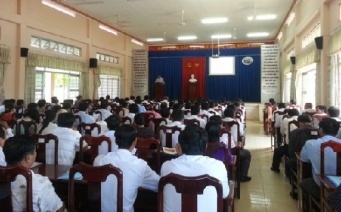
182, 23
81, 2
123, 23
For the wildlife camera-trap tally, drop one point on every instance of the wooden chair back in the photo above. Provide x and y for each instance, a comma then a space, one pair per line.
204, 116
94, 175
190, 187
126, 120
19, 111
86, 129
9, 174
336, 147
157, 122
191, 121
146, 150
148, 118
226, 131
94, 143
229, 124
26, 128
168, 132
41, 147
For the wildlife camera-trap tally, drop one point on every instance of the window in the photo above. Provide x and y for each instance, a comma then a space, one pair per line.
107, 58
287, 85
47, 44
109, 86
55, 82
308, 89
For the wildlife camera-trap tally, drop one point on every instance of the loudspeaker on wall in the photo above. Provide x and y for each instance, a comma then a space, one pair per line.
93, 63
23, 52
319, 42
293, 60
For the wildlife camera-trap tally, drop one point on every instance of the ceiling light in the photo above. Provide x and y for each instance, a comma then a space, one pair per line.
154, 39
279, 36
257, 34
108, 29
221, 36
59, 7
168, 47
190, 37
250, 18
137, 42
214, 20
266, 17
290, 18
196, 46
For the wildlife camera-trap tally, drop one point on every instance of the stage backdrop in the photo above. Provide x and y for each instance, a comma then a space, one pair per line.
171, 65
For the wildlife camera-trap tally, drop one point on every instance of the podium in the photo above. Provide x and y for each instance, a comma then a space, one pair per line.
159, 89
192, 91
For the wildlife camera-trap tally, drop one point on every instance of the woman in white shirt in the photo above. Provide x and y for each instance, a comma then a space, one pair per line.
48, 124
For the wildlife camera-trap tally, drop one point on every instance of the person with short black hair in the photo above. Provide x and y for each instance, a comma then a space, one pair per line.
136, 172
104, 110
292, 115
311, 153
191, 162
83, 113
48, 124
79, 99
22, 151
142, 131
195, 109
113, 122
334, 113
68, 141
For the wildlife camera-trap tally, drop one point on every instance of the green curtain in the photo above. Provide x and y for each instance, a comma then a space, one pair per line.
83, 86
4, 60
97, 83
30, 84
293, 82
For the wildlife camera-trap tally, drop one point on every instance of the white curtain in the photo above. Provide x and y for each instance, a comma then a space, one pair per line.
293, 84
333, 81
30, 84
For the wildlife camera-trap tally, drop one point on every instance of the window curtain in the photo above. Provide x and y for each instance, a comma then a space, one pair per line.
335, 42
105, 70
4, 60
333, 81
38, 60
293, 84
286, 69
196, 66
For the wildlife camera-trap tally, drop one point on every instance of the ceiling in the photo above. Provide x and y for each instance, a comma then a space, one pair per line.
144, 19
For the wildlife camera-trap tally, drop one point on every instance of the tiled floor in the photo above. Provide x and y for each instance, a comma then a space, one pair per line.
267, 191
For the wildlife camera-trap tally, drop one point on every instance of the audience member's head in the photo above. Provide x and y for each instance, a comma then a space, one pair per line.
205, 106
192, 140
83, 106
229, 112
177, 106
177, 115
104, 104
126, 136
66, 120
113, 122
139, 119
9, 107
32, 105
133, 108
304, 119
333, 112
195, 109
293, 112
57, 108
217, 119
33, 114
329, 126
20, 150
107, 97
163, 106
213, 130
165, 113
54, 100
41, 103
281, 105
293, 102
321, 109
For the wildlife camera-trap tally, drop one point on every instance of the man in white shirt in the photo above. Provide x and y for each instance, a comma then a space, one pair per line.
191, 162
104, 111
320, 113
293, 115
195, 109
310, 153
159, 79
83, 113
204, 110
113, 122
136, 172
21, 150
68, 141
178, 118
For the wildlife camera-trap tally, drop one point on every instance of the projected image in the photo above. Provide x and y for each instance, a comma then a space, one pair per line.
221, 66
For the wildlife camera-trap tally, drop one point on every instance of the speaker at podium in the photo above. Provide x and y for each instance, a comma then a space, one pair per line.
192, 88
159, 88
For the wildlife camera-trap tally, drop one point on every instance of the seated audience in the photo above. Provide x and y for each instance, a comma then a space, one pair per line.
320, 114
104, 111
165, 113
308, 108
21, 151
113, 122
292, 115
138, 101
68, 141
204, 109
142, 131
310, 153
136, 172
48, 124
79, 99
133, 110
83, 113
2, 143
9, 112
195, 109
30, 115
191, 162
41, 106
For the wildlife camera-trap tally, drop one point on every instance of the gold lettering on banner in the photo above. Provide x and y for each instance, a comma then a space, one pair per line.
189, 65
196, 64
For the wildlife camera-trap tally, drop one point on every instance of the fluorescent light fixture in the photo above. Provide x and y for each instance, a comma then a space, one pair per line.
108, 29
250, 18
137, 42
59, 7
257, 34
154, 39
266, 17
168, 47
290, 18
279, 36
189, 37
221, 36
196, 46
214, 20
